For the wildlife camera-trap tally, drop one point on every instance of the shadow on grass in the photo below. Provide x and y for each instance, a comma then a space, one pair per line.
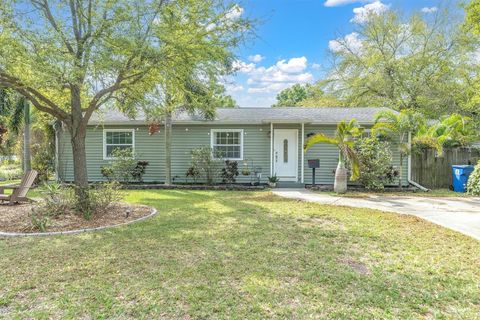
242, 254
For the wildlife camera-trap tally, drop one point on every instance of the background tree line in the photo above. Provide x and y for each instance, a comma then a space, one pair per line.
427, 63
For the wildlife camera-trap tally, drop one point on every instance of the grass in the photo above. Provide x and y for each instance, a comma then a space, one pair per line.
245, 255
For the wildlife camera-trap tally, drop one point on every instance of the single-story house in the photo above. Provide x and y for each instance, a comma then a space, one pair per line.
264, 140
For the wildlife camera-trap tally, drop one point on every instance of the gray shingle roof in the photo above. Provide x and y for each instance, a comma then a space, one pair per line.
329, 115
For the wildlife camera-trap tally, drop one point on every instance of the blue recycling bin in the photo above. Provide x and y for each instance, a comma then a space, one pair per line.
460, 177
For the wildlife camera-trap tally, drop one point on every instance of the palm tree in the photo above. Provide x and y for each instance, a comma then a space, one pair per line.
398, 126
16, 113
343, 139
451, 131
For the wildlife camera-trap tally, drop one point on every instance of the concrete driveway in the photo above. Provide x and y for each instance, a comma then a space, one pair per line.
459, 214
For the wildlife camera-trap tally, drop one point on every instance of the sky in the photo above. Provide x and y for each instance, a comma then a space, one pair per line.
292, 40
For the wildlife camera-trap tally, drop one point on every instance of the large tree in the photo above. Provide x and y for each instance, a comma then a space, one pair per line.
421, 62
70, 58
199, 38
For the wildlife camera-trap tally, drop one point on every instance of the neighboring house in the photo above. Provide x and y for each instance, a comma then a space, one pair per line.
268, 139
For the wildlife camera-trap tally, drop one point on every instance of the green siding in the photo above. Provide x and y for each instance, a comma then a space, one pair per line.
256, 148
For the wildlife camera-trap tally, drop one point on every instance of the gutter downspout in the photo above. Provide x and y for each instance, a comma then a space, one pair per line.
303, 154
271, 149
409, 164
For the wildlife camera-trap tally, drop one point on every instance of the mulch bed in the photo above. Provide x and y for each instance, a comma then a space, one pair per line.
16, 218
329, 187
236, 187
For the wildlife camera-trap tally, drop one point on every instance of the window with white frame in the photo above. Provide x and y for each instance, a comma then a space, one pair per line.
117, 139
227, 144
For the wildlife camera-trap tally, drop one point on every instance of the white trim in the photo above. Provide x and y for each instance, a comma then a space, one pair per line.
271, 149
212, 135
293, 178
116, 130
302, 179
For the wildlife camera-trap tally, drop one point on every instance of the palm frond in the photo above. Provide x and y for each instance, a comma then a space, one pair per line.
319, 138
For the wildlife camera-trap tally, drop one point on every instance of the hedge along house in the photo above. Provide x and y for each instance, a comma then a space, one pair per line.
268, 141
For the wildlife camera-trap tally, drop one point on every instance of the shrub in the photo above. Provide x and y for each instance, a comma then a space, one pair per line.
43, 161
473, 184
124, 167
205, 163
107, 173
59, 200
230, 172
139, 170
39, 220
192, 172
104, 194
375, 159
10, 172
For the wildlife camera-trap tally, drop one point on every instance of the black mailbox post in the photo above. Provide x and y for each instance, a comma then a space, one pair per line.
313, 164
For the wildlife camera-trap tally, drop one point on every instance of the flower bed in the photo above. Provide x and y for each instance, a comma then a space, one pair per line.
15, 220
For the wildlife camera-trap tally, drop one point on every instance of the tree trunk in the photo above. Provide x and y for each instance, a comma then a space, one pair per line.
400, 172
78, 132
168, 148
26, 137
80, 174
340, 184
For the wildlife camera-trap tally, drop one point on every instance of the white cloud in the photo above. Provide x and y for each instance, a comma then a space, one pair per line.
351, 42
277, 77
429, 9
233, 87
256, 58
336, 3
243, 67
362, 14
294, 65
316, 66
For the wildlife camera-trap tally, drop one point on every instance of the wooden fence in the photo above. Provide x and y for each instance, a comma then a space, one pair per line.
436, 172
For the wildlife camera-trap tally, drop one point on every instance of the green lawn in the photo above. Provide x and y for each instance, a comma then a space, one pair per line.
245, 256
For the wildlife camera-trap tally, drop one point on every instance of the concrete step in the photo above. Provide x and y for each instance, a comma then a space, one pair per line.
290, 184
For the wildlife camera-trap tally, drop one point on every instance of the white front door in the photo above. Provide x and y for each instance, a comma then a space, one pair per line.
285, 154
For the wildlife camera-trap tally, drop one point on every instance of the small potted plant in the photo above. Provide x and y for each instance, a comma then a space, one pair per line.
272, 181
246, 172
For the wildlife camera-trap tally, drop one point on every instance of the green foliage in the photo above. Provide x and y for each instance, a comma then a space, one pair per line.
375, 158
344, 140
102, 195
204, 162
123, 167
139, 170
107, 172
43, 161
450, 132
192, 172
230, 171
473, 185
39, 220
396, 126
292, 96
421, 62
10, 172
59, 199
273, 179
306, 96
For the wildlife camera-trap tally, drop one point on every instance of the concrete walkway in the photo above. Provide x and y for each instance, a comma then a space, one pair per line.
459, 214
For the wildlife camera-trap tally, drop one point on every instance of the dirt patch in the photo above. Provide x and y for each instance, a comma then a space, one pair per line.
17, 218
358, 267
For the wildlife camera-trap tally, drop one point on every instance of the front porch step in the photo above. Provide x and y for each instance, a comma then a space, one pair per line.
290, 184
